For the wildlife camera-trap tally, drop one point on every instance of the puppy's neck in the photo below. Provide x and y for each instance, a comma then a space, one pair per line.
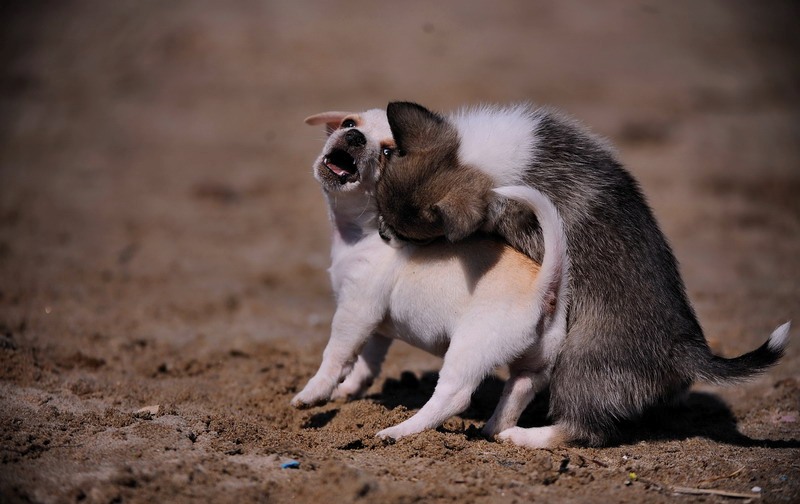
353, 215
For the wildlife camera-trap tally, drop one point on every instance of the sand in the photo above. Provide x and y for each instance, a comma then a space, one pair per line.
163, 246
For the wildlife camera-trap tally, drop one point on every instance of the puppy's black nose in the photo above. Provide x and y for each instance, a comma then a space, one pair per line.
355, 138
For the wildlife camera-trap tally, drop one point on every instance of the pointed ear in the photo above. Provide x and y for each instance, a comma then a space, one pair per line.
413, 126
462, 212
332, 120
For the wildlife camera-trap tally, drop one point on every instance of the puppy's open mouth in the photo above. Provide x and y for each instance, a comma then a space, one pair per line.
340, 163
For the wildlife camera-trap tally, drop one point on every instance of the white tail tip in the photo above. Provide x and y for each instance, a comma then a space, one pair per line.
780, 337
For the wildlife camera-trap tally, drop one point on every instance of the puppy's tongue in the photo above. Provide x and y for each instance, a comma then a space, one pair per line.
340, 162
335, 169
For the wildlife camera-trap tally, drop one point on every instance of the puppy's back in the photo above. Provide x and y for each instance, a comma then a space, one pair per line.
480, 260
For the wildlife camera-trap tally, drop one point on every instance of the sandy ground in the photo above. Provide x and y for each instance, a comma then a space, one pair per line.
162, 242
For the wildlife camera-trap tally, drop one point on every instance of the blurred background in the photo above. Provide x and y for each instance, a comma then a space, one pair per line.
154, 161
159, 219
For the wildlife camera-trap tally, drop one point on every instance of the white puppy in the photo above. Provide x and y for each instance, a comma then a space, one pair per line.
479, 303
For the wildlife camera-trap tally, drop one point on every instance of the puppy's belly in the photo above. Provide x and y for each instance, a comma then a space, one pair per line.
433, 343
426, 300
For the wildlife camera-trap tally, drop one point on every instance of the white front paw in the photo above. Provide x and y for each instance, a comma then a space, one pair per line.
349, 390
307, 398
395, 433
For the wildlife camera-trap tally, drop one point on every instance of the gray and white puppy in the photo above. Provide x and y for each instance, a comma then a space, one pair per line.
633, 338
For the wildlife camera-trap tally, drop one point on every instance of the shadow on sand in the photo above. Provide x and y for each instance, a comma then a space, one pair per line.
701, 415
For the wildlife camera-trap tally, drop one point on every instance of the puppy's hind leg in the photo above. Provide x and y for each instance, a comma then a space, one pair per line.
457, 382
520, 389
366, 368
536, 437
467, 361
518, 392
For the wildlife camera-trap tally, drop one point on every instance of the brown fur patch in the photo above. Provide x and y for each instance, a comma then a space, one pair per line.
484, 256
425, 193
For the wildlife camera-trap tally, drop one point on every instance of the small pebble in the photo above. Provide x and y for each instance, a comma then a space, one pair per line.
147, 411
756, 489
290, 464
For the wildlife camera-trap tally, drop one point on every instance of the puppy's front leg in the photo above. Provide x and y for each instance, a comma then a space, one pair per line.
349, 332
367, 367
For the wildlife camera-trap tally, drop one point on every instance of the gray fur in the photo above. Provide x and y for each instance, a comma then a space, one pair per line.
634, 340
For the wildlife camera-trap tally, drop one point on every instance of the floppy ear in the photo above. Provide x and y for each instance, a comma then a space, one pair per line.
462, 212
413, 126
332, 120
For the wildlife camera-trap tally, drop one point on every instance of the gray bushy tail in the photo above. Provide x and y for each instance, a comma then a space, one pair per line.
720, 370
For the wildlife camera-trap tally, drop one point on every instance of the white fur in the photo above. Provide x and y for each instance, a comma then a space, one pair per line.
373, 123
498, 141
534, 437
426, 296
779, 337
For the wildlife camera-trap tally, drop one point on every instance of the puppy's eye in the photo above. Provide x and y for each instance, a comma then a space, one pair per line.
348, 123
387, 151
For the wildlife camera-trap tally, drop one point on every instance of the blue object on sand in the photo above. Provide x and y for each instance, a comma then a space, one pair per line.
290, 464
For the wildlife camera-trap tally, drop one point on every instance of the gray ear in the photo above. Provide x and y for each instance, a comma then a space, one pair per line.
462, 212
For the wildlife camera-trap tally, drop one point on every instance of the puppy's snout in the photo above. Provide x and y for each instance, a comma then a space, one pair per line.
355, 138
